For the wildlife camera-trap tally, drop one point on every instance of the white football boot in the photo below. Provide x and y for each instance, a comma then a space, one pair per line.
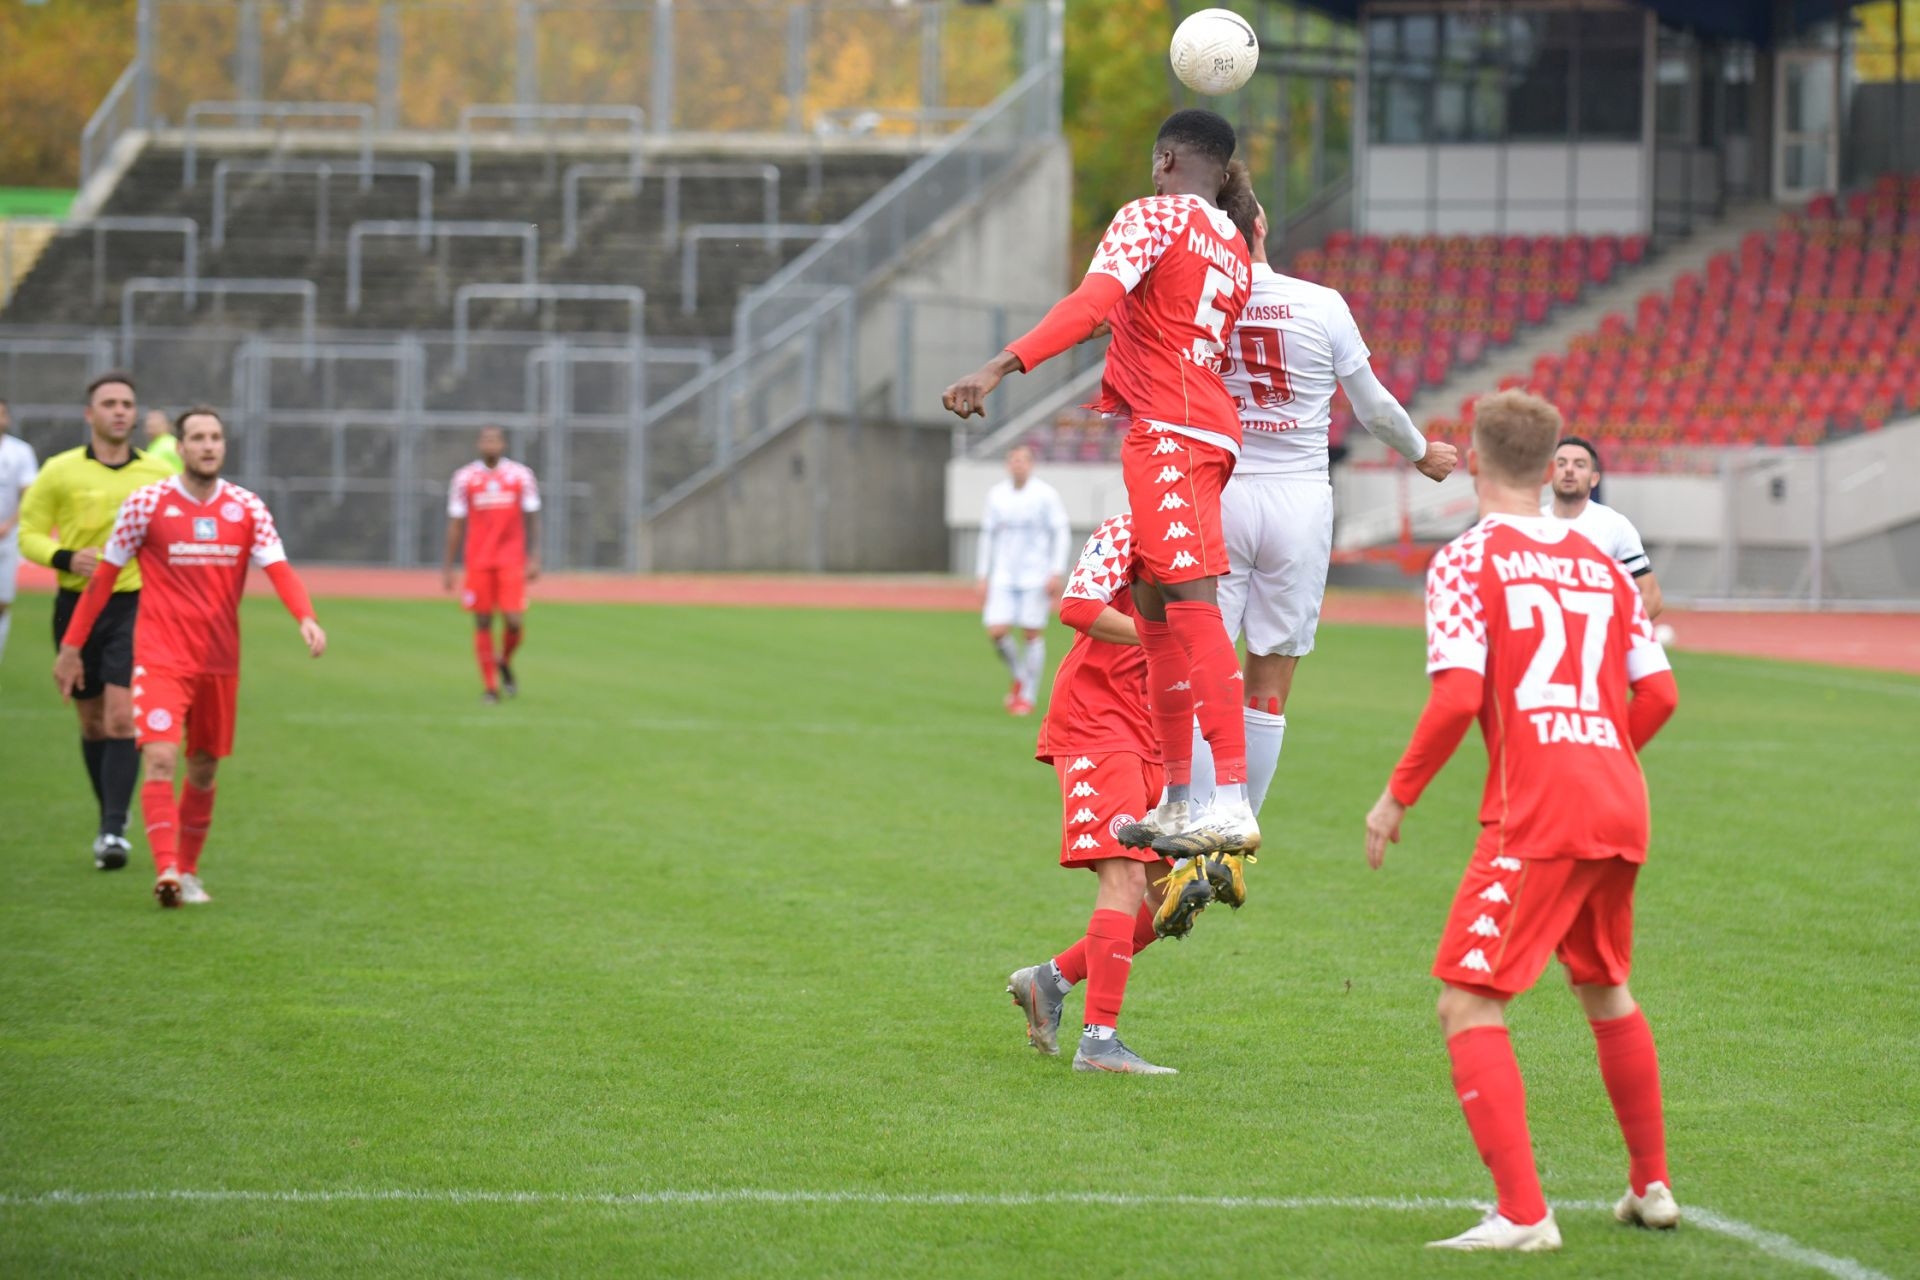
1168, 818
1657, 1209
192, 893
1225, 826
1496, 1233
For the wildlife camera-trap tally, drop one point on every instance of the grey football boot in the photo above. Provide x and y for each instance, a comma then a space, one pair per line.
1112, 1055
1034, 990
1168, 818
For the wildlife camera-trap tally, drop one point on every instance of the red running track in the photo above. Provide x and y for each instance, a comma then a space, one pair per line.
1875, 641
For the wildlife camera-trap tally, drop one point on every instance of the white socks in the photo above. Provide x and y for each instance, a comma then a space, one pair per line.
1265, 732
1092, 1032
6, 625
1009, 652
1036, 662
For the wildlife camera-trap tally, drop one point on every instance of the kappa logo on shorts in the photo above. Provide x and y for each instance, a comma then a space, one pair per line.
1170, 473
160, 720
1080, 765
1085, 842
1172, 502
1124, 820
1495, 892
206, 529
1177, 529
1081, 790
1184, 560
1178, 685
231, 512
1476, 960
1083, 816
1484, 927
1506, 864
1166, 446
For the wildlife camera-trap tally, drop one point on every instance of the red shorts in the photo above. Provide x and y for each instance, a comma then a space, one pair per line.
496, 589
1173, 486
167, 704
1511, 915
1099, 794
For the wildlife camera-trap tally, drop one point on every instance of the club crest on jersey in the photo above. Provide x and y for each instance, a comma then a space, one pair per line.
1124, 820
231, 512
206, 529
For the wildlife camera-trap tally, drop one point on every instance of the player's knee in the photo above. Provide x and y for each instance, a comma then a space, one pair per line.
997, 634
483, 622
512, 621
158, 761
118, 721
1602, 1003
1460, 1010
201, 769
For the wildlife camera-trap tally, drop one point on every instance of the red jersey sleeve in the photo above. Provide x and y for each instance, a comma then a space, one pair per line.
1456, 615
1137, 238
1099, 575
130, 527
267, 549
529, 490
457, 496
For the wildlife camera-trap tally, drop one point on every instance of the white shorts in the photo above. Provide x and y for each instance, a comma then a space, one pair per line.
1279, 532
9, 568
1023, 607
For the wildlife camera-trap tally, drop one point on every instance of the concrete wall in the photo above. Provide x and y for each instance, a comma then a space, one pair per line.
1520, 189
825, 496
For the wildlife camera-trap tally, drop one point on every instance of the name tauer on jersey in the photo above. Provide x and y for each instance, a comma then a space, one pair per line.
1221, 256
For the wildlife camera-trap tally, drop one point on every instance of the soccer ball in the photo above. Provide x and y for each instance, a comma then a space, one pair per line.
1214, 51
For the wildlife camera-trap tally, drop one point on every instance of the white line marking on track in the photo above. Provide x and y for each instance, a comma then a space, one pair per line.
1770, 1243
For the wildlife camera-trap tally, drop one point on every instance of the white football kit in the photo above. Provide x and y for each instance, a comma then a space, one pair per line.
18, 469
1024, 540
1295, 343
1613, 533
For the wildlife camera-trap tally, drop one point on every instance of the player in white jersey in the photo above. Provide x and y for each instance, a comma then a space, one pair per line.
1294, 344
18, 468
1024, 545
1576, 477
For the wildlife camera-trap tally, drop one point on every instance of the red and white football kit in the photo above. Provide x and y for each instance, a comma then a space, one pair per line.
1097, 734
193, 564
492, 501
1539, 633
1172, 276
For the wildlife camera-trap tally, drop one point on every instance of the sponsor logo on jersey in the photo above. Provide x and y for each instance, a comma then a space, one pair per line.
1082, 816
1177, 529
232, 512
1495, 892
1476, 960
1484, 927
1081, 765
1184, 560
1172, 502
1081, 790
1085, 842
206, 529
159, 720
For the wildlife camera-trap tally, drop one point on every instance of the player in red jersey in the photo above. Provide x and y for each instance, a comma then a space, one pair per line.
195, 535
1099, 739
495, 504
1540, 634
1170, 277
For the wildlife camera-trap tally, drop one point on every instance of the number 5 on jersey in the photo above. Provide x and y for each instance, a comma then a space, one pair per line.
1209, 316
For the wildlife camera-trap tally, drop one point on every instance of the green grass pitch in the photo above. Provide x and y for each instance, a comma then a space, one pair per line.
726, 901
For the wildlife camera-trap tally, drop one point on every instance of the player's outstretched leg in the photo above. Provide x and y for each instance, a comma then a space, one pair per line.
1630, 1067
1040, 990
1486, 1078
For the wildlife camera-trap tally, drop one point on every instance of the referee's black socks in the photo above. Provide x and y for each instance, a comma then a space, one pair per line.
94, 750
119, 770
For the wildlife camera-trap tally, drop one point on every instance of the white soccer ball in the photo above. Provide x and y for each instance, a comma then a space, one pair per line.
1663, 633
1214, 51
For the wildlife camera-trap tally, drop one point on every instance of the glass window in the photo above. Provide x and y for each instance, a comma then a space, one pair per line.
1612, 57
1402, 55
1540, 66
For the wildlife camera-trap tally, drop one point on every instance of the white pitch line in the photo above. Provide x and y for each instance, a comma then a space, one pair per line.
1771, 1243
516, 723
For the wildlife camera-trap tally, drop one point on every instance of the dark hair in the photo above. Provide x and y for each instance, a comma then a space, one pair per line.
1199, 130
199, 411
1584, 443
111, 376
1239, 203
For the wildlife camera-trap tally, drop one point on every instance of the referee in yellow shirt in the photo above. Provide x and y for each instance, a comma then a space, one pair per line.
65, 520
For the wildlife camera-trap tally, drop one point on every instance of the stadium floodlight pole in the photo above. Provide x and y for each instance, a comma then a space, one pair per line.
661, 109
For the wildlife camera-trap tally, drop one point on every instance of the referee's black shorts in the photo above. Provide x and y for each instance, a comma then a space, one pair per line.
107, 657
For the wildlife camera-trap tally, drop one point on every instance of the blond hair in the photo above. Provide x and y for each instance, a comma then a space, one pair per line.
1515, 434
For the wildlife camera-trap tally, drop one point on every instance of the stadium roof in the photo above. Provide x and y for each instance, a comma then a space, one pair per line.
1761, 21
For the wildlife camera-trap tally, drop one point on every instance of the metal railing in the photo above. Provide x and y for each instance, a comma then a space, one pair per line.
420, 171
769, 233
865, 121
632, 295
186, 228
671, 177
249, 114
521, 113
116, 115
305, 290
527, 233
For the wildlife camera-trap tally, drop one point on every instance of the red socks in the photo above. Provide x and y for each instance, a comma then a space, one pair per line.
1217, 687
1170, 698
509, 641
1631, 1070
196, 815
163, 823
1109, 959
1486, 1077
483, 651
1072, 963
